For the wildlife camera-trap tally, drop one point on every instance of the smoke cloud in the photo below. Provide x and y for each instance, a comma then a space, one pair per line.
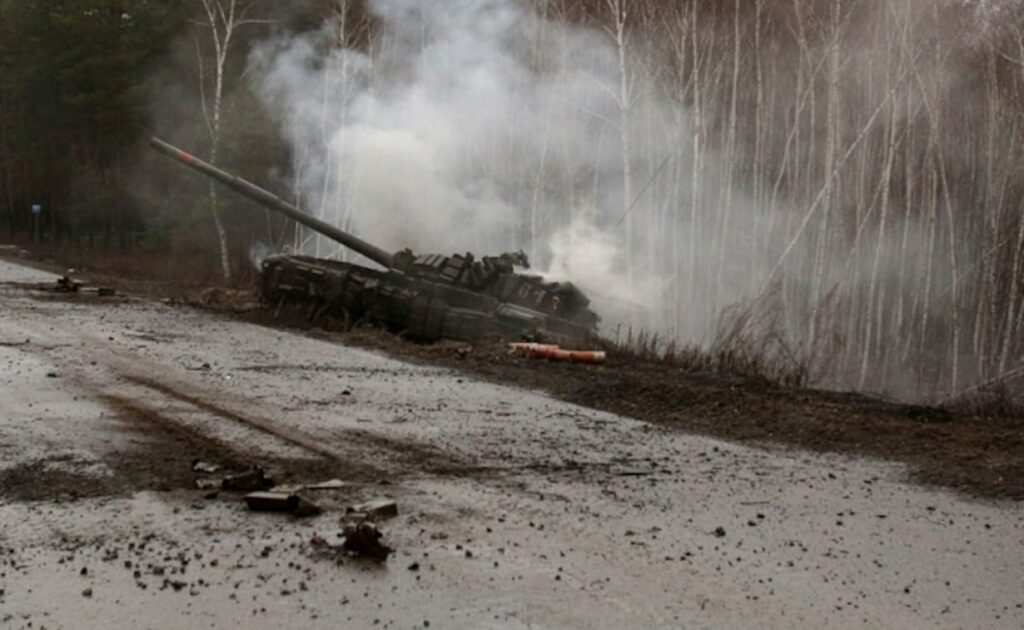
473, 125
484, 126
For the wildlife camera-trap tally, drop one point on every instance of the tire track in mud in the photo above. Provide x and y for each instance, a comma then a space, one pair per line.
163, 428
288, 435
411, 456
407, 458
343, 444
362, 453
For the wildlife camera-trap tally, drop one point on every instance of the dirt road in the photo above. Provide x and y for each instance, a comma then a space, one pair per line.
516, 510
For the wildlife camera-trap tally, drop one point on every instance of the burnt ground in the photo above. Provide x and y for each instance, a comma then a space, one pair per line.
971, 454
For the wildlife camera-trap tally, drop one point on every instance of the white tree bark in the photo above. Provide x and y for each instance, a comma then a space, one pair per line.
221, 21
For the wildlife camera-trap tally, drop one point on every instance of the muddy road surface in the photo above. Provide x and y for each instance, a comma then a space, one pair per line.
515, 510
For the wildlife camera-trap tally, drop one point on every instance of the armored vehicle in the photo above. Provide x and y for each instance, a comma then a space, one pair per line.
427, 297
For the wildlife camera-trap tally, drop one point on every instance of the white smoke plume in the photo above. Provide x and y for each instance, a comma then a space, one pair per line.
680, 166
479, 125
474, 125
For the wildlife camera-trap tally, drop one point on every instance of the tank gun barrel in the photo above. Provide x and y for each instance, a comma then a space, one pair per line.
273, 202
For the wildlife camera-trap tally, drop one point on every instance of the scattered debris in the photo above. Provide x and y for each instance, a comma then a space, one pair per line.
269, 501
65, 284
99, 291
319, 542
333, 484
287, 489
254, 480
375, 510
204, 467
364, 539
305, 507
208, 484
281, 502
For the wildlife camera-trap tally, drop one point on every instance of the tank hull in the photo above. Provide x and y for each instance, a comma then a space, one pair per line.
416, 307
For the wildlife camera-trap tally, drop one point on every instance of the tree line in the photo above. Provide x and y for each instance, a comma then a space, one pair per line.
854, 166
73, 96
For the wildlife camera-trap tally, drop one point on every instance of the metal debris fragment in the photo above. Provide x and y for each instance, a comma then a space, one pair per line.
375, 510
254, 480
333, 484
65, 284
364, 539
204, 467
281, 502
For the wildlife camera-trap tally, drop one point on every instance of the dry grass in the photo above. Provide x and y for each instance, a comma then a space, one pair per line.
766, 358
999, 399
749, 342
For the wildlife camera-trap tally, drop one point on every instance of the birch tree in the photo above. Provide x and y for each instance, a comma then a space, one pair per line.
219, 26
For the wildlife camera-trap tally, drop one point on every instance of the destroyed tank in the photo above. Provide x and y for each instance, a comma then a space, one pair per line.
427, 297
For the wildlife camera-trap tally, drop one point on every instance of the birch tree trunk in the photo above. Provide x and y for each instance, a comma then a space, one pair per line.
222, 19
